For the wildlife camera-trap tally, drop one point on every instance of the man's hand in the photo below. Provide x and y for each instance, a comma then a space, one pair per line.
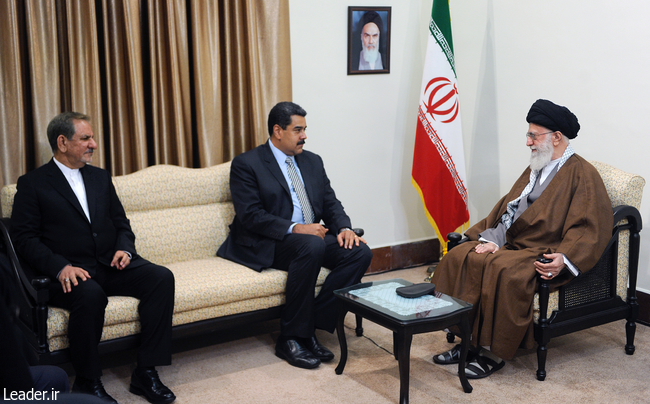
486, 248
120, 260
552, 269
315, 229
347, 239
68, 277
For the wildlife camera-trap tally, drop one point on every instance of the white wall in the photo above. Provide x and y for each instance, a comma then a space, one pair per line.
591, 56
363, 126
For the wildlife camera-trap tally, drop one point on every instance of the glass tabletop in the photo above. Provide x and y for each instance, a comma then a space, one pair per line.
381, 296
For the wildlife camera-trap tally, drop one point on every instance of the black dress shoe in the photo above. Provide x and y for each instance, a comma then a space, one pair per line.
94, 387
318, 350
293, 352
145, 382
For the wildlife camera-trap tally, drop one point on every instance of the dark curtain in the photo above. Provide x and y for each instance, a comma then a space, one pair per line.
182, 82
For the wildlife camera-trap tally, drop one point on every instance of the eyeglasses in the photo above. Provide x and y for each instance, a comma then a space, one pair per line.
533, 136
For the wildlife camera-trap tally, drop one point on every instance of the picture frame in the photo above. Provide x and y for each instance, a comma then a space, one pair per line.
366, 26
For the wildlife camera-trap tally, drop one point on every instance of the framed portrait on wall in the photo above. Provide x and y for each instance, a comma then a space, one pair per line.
368, 40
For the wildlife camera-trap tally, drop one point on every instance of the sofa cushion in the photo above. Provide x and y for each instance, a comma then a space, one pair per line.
205, 289
181, 234
177, 214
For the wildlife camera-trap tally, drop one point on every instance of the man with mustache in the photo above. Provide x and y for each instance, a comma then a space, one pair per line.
69, 225
371, 26
281, 195
559, 210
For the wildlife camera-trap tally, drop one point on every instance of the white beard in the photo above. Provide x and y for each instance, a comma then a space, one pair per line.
542, 156
370, 55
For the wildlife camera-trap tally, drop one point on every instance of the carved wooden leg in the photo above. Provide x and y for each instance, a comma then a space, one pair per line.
41, 285
340, 332
541, 331
359, 329
395, 346
630, 330
404, 339
465, 332
541, 362
450, 337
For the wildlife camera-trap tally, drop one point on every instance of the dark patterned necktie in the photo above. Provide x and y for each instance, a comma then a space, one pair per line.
307, 211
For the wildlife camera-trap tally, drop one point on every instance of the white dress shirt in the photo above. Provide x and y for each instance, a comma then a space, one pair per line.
76, 181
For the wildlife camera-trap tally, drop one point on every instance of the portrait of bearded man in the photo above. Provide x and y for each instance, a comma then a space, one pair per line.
371, 27
369, 40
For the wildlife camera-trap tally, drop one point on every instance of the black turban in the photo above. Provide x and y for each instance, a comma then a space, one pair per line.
554, 117
371, 16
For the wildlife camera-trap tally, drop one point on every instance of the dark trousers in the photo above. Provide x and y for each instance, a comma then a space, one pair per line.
49, 379
302, 256
152, 284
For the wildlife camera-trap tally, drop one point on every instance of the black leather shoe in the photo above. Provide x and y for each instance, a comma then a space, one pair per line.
94, 387
318, 350
293, 352
145, 382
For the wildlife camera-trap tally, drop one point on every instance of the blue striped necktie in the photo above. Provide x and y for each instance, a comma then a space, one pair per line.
307, 211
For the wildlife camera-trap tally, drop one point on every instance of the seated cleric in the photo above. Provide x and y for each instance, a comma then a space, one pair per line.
281, 194
557, 209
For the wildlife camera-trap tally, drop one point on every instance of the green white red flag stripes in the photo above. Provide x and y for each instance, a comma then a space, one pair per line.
438, 160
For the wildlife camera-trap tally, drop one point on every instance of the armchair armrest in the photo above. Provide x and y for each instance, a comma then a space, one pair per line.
634, 225
630, 213
455, 239
33, 295
358, 231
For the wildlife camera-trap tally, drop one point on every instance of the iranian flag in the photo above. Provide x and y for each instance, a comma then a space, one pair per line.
438, 160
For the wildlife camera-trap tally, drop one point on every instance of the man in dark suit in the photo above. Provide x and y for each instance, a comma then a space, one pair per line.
281, 194
68, 224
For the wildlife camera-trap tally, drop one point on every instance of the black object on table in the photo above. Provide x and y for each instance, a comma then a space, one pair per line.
378, 302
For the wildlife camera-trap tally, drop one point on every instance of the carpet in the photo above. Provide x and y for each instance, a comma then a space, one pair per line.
240, 366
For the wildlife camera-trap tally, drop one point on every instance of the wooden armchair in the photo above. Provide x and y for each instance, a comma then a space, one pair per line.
607, 292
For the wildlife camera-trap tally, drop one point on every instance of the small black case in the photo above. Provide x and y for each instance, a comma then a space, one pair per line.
416, 290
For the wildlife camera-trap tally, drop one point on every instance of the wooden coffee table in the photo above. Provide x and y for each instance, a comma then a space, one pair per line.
379, 303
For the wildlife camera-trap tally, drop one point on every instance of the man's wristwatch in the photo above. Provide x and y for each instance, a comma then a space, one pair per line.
345, 229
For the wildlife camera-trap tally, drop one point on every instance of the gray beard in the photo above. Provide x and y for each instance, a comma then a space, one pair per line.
543, 155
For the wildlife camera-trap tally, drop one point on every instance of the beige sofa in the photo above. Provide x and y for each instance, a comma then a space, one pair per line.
180, 217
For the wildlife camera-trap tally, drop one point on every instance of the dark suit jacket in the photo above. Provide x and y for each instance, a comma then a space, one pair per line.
263, 205
50, 229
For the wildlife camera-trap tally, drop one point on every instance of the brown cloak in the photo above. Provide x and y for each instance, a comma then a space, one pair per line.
572, 216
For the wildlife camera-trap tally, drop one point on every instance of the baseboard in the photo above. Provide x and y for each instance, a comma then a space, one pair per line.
405, 255
644, 307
